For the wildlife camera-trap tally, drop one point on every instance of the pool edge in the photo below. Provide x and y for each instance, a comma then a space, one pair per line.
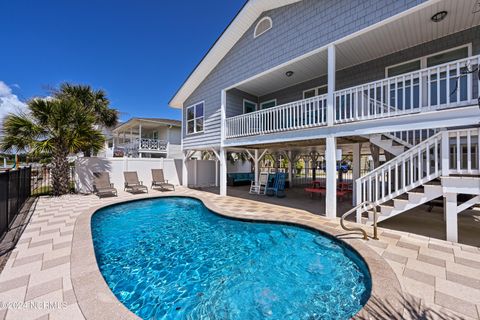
96, 300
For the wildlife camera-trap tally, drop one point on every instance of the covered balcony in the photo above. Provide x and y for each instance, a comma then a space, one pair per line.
383, 79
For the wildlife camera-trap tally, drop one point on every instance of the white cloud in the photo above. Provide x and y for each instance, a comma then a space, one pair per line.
9, 102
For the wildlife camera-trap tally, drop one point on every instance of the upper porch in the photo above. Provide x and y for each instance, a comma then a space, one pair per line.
408, 73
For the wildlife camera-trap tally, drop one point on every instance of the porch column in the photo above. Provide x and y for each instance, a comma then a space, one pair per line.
331, 85
290, 166
223, 171
331, 181
139, 139
256, 166
185, 169
357, 148
451, 215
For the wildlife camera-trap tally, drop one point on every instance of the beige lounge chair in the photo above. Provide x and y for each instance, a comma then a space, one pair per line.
158, 180
132, 183
102, 185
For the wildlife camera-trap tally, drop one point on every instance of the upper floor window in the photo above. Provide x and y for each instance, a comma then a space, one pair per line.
429, 61
249, 106
268, 104
195, 118
262, 26
310, 93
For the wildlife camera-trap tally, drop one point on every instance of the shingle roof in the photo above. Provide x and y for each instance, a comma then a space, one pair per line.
170, 122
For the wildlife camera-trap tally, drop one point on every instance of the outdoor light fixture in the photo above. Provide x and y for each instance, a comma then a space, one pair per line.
439, 16
289, 73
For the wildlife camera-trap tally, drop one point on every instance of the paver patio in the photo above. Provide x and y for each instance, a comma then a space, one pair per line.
439, 279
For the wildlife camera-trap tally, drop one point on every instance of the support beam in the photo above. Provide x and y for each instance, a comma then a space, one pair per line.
185, 169
357, 148
290, 166
256, 161
331, 183
223, 171
331, 84
451, 216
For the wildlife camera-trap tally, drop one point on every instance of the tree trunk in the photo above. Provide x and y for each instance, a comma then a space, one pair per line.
60, 172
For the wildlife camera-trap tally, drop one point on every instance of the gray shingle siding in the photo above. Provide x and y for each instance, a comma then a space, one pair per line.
297, 29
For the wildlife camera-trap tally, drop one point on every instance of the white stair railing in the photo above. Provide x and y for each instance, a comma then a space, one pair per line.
446, 85
414, 167
411, 138
291, 116
454, 152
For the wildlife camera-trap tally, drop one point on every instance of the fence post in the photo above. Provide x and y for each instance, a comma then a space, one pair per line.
8, 198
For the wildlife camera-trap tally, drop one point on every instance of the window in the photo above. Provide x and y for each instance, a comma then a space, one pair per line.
310, 93
429, 61
195, 118
403, 68
249, 106
268, 104
262, 26
447, 56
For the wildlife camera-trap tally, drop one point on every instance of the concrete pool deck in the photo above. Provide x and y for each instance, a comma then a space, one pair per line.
50, 275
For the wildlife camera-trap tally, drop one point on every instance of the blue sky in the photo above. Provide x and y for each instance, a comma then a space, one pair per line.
139, 51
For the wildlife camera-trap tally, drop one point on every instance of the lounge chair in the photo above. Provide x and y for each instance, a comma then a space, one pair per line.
132, 183
102, 185
278, 188
261, 188
158, 180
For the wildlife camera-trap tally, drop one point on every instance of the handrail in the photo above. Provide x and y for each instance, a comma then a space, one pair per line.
367, 205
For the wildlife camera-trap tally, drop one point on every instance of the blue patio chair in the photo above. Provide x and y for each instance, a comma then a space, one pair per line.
278, 188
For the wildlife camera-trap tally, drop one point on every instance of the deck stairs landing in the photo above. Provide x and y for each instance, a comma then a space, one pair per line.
421, 173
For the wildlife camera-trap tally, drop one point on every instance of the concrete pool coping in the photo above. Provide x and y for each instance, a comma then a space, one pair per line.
97, 301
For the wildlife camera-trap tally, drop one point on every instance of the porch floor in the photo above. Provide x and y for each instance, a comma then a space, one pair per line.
418, 220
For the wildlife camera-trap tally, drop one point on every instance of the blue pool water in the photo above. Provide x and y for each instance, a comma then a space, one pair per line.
172, 258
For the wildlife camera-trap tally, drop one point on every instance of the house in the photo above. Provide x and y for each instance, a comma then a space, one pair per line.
146, 138
322, 79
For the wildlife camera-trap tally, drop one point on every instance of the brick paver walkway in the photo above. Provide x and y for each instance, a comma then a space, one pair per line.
441, 279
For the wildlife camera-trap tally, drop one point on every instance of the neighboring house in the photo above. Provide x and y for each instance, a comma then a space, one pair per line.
296, 76
146, 138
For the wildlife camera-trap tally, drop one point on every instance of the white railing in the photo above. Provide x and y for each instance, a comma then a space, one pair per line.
411, 138
447, 85
444, 153
152, 144
291, 116
144, 144
414, 167
464, 151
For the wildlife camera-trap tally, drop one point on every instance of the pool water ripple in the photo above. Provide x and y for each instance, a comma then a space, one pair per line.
172, 258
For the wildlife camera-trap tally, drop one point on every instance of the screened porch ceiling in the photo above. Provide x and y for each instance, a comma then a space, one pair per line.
404, 32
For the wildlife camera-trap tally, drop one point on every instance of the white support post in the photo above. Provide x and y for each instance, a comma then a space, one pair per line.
256, 160
331, 85
290, 167
357, 148
184, 169
451, 216
223, 171
331, 183
140, 139
445, 154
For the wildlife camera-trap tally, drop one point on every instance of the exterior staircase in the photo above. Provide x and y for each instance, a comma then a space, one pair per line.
396, 143
420, 173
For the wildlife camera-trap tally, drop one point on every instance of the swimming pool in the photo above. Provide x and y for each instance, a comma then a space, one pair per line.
171, 258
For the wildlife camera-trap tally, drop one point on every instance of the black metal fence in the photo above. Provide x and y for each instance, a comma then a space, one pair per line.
41, 181
15, 189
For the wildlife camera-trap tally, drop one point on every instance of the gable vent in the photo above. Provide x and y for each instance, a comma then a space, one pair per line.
262, 26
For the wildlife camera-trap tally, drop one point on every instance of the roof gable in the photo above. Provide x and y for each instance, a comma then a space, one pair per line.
240, 24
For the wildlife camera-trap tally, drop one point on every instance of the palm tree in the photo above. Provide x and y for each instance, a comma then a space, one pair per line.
56, 127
